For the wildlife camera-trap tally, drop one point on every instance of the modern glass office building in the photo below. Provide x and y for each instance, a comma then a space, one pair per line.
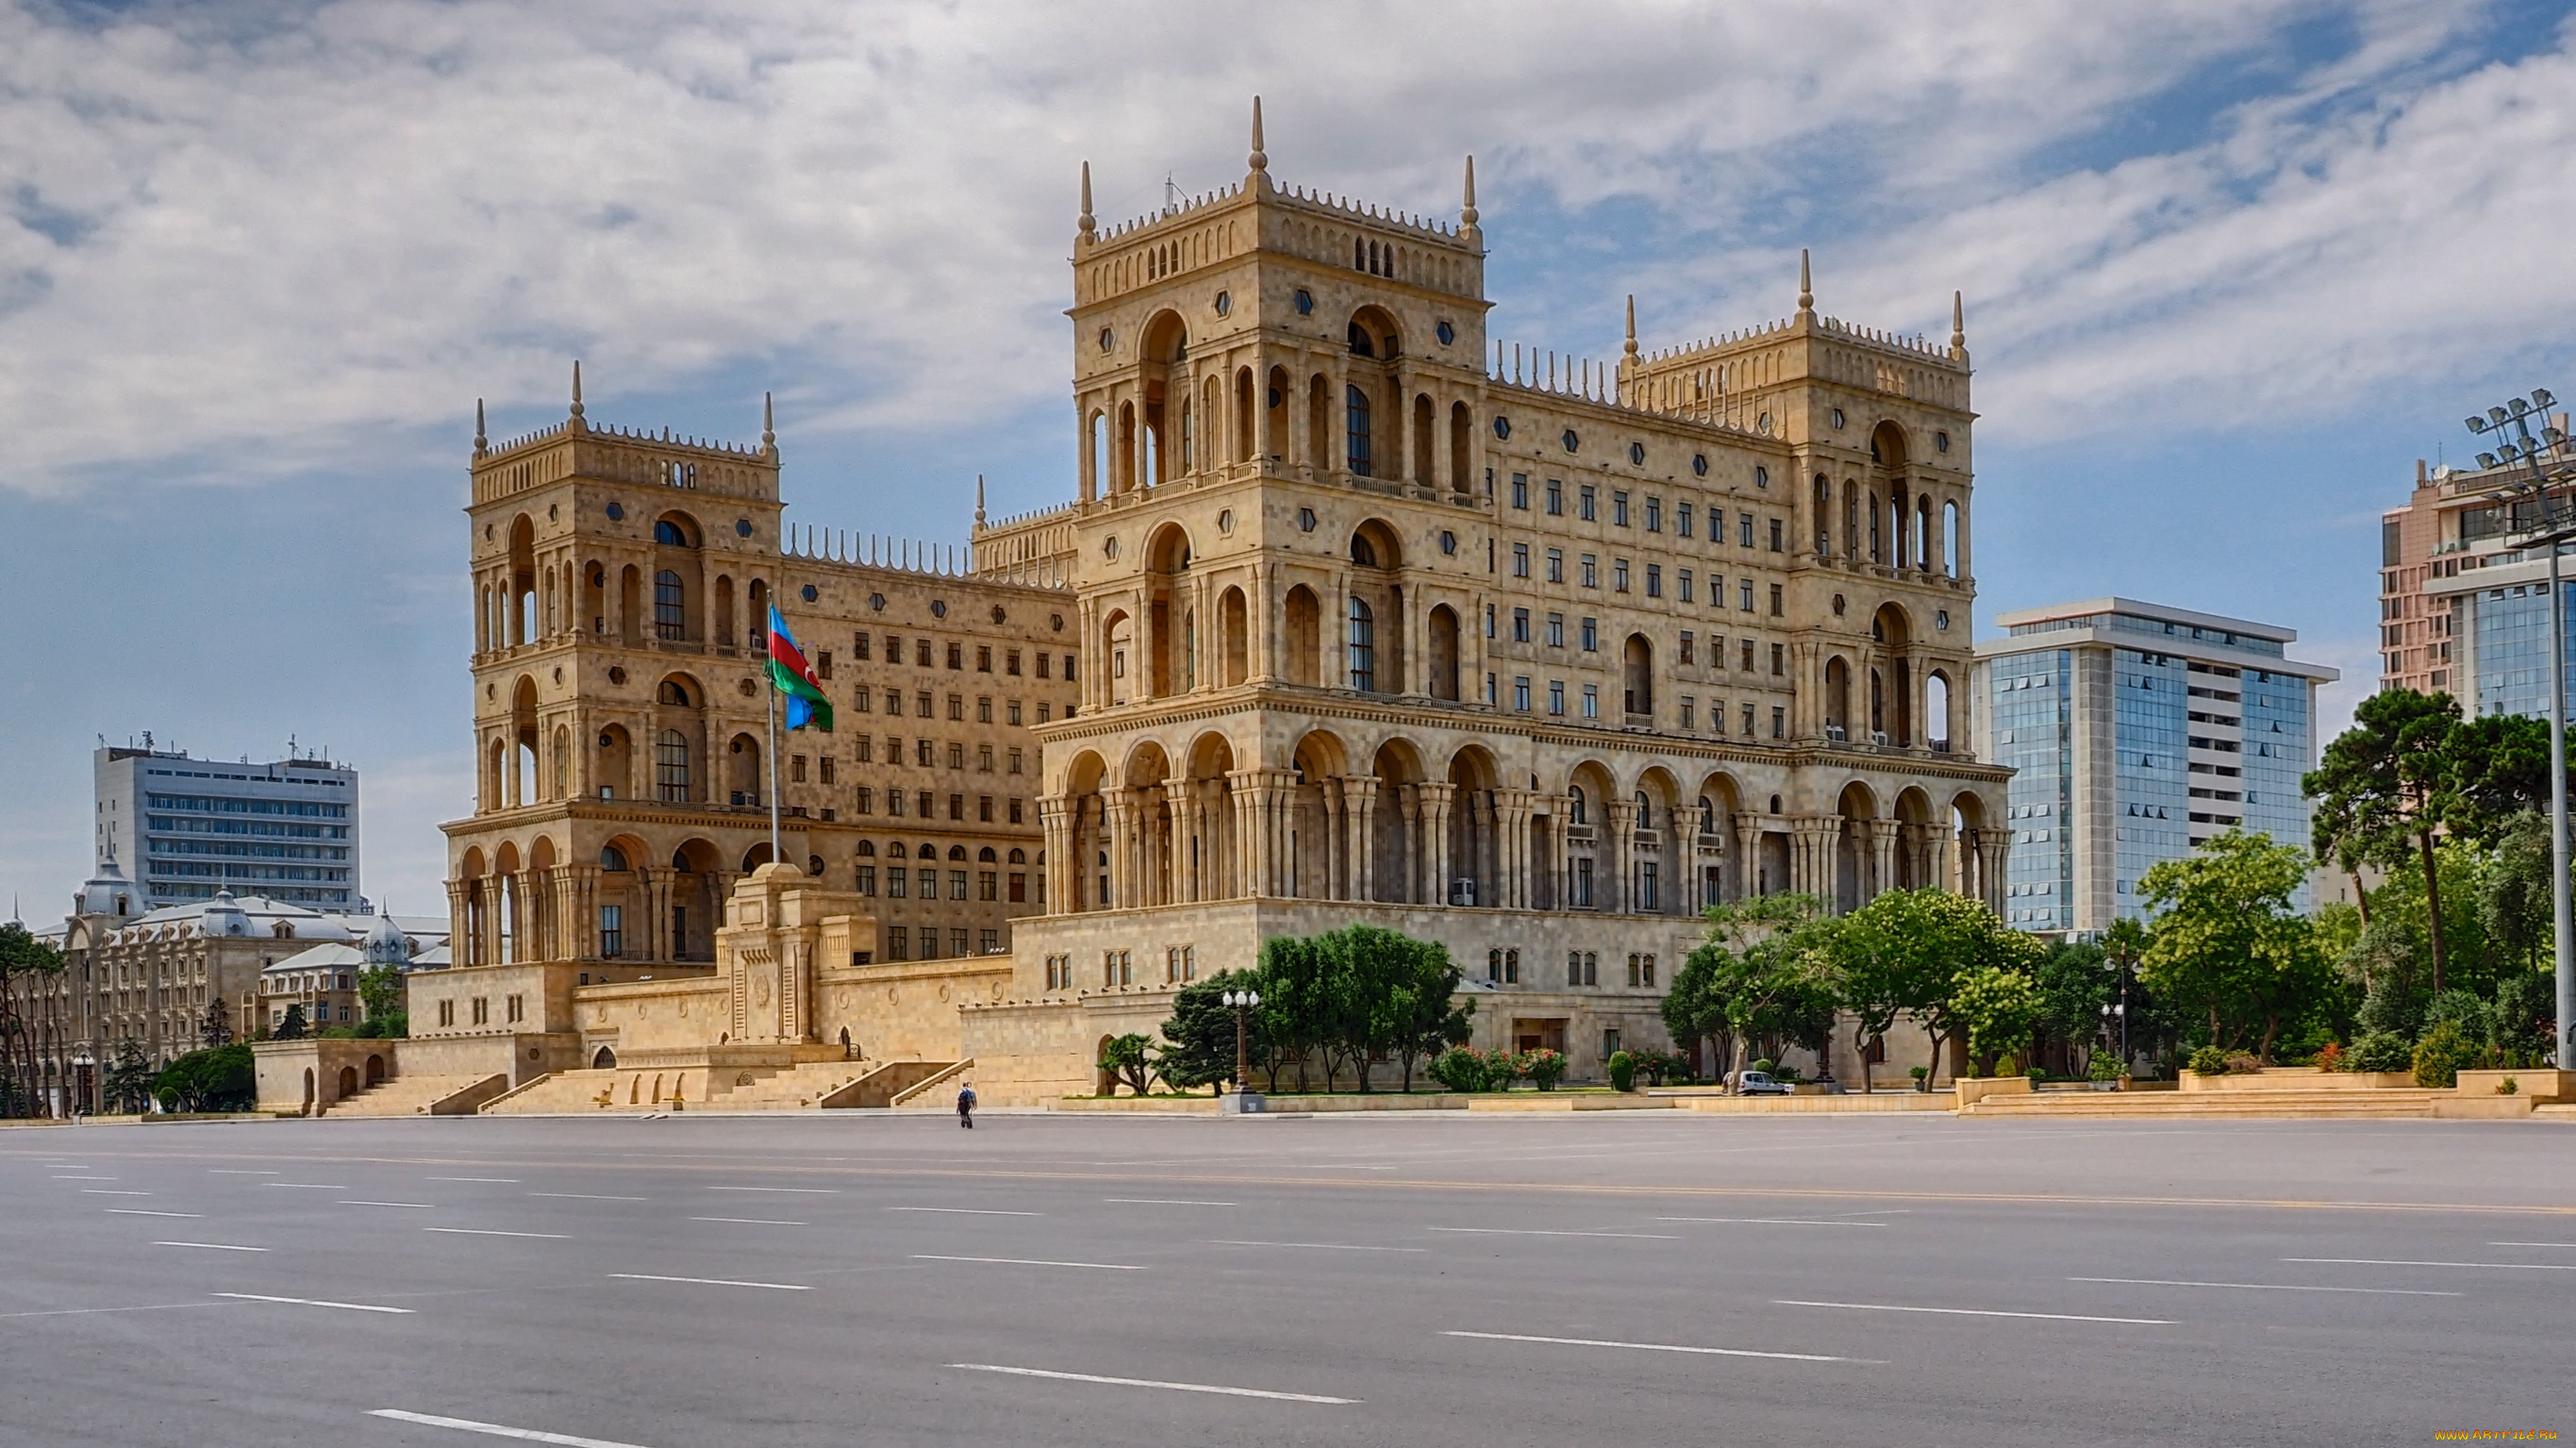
2136, 732
184, 828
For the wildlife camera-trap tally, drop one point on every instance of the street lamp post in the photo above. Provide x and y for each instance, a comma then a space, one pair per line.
1244, 1101
82, 1063
2545, 459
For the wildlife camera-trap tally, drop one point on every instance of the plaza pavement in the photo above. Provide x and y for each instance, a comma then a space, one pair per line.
1414, 1278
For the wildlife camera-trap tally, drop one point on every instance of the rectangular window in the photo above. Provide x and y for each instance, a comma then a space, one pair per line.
898, 880
1686, 646
921, 653
1619, 509
984, 758
612, 936
921, 702
1748, 721
894, 701
1582, 886
1520, 491
1654, 580
1591, 572
1556, 497
1778, 607
1682, 584
1744, 595
983, 658
1687, 725
956, 656
894, 803
829, 773
1619, 575
1744, 528
1654, 515
1779, 723
1775, 535
898, 941
989, 942
1592, 701
956, 708
984, 809
822, 667
921, 803
1748, 660
513, 1008
1015, 809
983, 708
1521, 693
865, 880
1520, 560
1019, 887
859, 647
928, 880
1520, 626
482, 1010
1779, 661
796, 769
867, 747
1042, 665
1011, 665
957, 805
1556, 565
894, 648
1682, 519
1018, 757
988, 885
925, 752
1556, 697
860, 698
1011, 713
1591, 635
1591, 504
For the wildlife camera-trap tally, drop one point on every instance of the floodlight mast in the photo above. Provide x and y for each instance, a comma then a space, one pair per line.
2546, 458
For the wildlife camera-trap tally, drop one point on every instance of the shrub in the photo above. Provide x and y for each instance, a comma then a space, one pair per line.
1623, 1071
2209, 1061
2443, 1051
1766, 1066
2037, 1073
2105, 1066
2508, 1087
2330, 1056
2380, 1051
1543, 1067
1918, 1072
1460, 1069
2243, 1063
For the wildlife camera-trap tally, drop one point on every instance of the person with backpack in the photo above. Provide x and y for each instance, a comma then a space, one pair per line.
966, 1106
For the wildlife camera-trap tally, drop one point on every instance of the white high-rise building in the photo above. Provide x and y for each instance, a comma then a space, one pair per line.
2137, 732
184, 828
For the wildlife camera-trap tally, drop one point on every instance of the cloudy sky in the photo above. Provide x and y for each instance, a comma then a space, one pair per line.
2230, 268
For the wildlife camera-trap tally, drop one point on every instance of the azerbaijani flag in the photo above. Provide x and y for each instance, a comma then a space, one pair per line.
788, 671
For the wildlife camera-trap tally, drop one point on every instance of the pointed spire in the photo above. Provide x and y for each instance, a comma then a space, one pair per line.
1631, 348
577, 424
979, 500
1958, 328
482, 444
1806, 289
1259, 160
768, 427
1467, 209
1088, 228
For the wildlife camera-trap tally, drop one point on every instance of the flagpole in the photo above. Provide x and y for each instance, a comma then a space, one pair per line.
772, 692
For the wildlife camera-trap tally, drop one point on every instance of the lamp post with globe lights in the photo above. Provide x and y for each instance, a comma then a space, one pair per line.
2542, 520
1244, 1101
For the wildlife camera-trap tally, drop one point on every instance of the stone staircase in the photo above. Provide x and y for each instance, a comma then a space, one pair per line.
796, 1088
423, 1096
2381, 1104
567, 1092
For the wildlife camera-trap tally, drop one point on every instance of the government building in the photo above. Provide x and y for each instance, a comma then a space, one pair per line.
1355, 614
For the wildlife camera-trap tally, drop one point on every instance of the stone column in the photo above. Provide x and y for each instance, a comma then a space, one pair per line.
1748, 859
460, 921
653, 884
1992, 847
1117, 836
584, 938
1617, 850
1437, 802
1511, 809
1359, 812
1937, 862
1250, 820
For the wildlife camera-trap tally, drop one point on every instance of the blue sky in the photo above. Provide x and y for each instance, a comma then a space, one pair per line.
2230, 268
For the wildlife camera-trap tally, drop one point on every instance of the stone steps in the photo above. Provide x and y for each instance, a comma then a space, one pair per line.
423, 1096
2386, 1103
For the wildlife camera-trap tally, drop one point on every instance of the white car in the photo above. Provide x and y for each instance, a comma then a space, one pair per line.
1759, 1083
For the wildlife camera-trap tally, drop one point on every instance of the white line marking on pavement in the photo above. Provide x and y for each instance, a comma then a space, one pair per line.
347, 1202
585, 1197
1553, 1232
112, 1192
968, 1211
2532, 1244
144, 1307
1975, 1312
494, 1232
1029, 1262
512, 1181
807, 1191
2402, 1262
306, 1186
1152, 1383
529, 1435
1320, 1246
211, 1246
1163, 1202
2267, 1286
310, 1302
711, 1281
1801, 1357
750, 1221
83, 1179
147, 1212
237, 1171
1775, 1221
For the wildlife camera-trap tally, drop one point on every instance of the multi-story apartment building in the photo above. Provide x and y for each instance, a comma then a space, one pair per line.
286, 830
2462, 609
2137, 733
1353, 616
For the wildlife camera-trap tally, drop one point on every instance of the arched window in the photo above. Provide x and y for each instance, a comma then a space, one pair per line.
1575, 812
1361, 346
1362, 553
1645, 811
1355, 425
1707, 816
668, 534
670, 601
611, 858
1363, 646
675, 692
671, 767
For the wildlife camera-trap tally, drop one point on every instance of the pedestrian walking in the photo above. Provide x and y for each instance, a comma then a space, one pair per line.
966, 1106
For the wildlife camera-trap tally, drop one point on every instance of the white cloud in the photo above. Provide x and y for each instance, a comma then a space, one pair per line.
250, 247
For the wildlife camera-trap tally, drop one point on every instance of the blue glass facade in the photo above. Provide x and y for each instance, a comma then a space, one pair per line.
2280, 740
2510, 627
2150, 773
2033, 714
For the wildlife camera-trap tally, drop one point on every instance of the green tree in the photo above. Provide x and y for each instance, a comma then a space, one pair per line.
28, 964
1294, 1002
1697, 1006
381, 1000
2499, 772
2385, 789
1128, 1058
127, 1083
2075, 981
220, 1078
1199, 1035
2513, 893
291, 1026
215, 1024
1999, 1008
2226, 943
1905, 951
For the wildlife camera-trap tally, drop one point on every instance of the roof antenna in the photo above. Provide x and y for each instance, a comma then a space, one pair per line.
1171, 196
